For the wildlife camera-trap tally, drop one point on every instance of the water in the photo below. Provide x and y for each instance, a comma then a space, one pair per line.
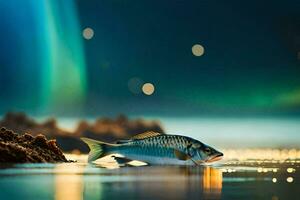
229, 179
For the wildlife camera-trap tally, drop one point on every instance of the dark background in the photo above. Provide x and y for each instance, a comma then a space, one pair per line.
251, 63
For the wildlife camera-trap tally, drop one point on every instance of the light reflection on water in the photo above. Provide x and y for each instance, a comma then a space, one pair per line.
72, 181
68, 185
258, 154
230, 179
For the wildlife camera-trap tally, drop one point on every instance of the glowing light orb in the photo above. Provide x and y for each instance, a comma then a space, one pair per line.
198, 50
148, 88
259, 170
88, 33
290, 170
289, 179
274, 180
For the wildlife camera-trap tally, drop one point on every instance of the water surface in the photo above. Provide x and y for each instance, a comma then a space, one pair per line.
230, 179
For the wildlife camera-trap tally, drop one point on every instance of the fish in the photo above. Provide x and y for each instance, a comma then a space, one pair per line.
155, 149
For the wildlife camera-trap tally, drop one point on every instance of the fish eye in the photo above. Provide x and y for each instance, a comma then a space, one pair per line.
207, 150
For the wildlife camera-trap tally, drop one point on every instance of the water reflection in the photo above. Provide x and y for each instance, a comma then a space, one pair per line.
88, 182
212, 182
85, 181
231, 180
92, 189
68, 182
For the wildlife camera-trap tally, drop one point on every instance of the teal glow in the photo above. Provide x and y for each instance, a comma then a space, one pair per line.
63, 63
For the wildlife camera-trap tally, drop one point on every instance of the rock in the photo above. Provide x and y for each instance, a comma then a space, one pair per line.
15, 148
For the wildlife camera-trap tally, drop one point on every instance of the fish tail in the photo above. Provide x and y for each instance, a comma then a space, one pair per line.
98, 149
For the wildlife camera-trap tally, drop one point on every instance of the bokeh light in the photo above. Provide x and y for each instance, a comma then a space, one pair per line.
290, 170
88, 33
148, 88
259, 170
198, 50
274, 180
265, 170
289, 179
262, 154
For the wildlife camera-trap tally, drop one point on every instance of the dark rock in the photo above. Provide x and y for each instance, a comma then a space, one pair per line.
26, 148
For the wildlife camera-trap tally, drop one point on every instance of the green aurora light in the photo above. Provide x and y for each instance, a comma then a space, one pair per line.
64, 70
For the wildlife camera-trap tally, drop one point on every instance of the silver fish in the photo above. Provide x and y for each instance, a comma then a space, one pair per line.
156, 149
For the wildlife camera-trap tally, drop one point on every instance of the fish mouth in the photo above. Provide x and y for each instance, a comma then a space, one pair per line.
216, 157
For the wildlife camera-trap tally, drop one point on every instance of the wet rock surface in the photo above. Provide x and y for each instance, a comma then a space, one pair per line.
25, 148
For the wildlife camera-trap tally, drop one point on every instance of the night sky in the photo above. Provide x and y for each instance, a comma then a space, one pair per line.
250, 65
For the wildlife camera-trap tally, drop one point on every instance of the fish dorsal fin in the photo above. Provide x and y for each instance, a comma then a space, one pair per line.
180, 155
147, 134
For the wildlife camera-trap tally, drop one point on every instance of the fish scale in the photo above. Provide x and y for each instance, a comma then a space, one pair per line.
155, 143
155, 148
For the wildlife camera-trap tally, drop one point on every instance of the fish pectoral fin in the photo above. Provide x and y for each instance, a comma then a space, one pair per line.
147, 134
121, 160
181, 155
